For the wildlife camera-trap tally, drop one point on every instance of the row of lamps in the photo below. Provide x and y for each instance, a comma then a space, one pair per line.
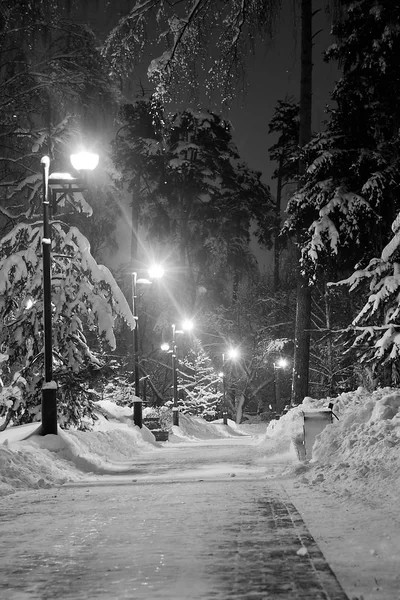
55, 187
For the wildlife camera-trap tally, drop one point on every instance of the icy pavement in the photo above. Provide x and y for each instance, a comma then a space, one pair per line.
202, 523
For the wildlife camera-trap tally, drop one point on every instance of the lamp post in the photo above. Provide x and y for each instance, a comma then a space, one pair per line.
175, 409
280, 364
232, 354
80, 161
186, 326
155, 272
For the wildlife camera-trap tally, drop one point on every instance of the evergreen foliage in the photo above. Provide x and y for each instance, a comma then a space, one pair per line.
351, 185
195, 194
353, 167
200, 387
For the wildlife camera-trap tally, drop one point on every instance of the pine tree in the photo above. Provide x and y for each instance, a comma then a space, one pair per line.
284, 152
194, 192
200, 387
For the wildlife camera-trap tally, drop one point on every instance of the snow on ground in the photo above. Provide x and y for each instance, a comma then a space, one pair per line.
347, 491
356, 455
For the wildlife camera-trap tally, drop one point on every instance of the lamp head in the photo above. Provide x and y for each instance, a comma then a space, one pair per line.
282, 363
84, 161
156, 271
187, 325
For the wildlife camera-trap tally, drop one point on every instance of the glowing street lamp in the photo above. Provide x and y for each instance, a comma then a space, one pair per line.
232, 354
155, 272
68, 184
281, 363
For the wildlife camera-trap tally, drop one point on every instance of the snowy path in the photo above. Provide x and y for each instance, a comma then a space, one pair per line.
196, 521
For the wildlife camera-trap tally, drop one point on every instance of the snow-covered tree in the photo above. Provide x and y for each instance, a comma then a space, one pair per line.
187, 30
85, 297
200, 387
195, 193
353, 168
350, 187
376, 328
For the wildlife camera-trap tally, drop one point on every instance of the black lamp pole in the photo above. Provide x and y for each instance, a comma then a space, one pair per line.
49, 388
175, 410
224, 407
137, 403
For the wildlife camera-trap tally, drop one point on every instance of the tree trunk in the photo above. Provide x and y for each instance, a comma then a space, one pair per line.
303, 306
277, 248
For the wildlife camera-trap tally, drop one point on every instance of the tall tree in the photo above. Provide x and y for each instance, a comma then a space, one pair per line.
284, 152
351, 185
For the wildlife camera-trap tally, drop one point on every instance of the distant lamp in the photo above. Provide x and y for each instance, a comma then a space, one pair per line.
84, 161
156, 272
187, 325
165, 347
282, 363
233, 353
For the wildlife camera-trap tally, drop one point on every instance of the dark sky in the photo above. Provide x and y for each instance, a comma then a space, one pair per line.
273, 74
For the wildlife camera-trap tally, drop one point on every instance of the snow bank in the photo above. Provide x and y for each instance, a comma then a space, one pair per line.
37, 461
28, 461
357, 454
196, 428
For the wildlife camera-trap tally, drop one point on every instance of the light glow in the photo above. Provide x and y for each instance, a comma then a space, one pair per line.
84, 161
233, 353
165, 347
156, 272
187, 325
282, 363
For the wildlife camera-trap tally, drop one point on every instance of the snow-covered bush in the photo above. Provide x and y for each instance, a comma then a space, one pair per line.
85, 298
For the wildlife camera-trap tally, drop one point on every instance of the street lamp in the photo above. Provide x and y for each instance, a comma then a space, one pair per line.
66, 181
281, 363
232, 354
187, 325
154, 272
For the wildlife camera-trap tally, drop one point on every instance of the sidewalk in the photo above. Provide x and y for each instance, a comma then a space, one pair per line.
227, 539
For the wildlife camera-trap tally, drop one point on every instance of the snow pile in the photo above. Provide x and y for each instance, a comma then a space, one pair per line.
38, 461
196, 428
357, 454
111, 448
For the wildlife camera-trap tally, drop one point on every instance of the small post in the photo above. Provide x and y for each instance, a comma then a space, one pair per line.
137, 413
